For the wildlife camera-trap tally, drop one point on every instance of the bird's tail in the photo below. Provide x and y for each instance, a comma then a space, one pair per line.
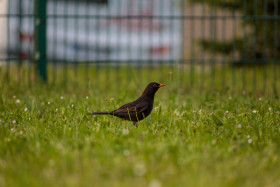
100, 113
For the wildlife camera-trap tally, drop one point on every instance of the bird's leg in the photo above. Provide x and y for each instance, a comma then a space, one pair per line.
128, 114
135, 124
136, 114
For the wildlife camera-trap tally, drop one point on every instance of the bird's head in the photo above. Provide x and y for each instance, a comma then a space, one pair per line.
152, 88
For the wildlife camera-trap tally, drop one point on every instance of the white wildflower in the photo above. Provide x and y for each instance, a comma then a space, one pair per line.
56, 109
72, 105
61, 97
112, 99
254, 111
248, 136
139, 169
156, 108
250, 141
17, 101
226, 112
14, 121
126, 152
269, 108
49, 103
239, 126
260, 99
26, 109
86, 97
154, 183
214, 142
125, 131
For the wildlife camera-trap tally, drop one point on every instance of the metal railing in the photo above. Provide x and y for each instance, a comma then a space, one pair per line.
205, 33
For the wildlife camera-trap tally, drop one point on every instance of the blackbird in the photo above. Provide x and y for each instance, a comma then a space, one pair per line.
138, 109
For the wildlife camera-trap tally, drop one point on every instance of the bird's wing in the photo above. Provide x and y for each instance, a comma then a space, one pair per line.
133, 108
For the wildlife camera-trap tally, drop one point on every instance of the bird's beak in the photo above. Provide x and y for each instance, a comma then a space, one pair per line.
161, 85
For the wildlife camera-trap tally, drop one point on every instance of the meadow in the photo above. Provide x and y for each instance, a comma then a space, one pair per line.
201, 132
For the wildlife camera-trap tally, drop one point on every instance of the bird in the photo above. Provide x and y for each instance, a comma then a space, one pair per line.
139, 109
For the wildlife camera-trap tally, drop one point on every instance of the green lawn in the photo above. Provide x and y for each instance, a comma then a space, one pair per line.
197, 136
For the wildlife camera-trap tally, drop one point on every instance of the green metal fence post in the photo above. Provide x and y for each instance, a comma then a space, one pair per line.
40, 37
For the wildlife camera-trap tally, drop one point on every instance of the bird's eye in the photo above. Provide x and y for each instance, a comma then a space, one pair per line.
155, 85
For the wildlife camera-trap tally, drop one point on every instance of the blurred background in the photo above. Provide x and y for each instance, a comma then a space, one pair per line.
214, 44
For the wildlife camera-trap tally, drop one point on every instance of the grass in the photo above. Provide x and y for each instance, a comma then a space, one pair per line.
196, 137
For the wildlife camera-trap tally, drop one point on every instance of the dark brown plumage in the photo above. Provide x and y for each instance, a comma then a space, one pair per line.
138, 109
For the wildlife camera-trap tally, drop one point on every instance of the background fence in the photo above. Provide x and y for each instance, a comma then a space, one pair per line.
198, 36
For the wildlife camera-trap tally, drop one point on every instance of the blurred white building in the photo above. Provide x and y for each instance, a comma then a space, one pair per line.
3, 28
94, 30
